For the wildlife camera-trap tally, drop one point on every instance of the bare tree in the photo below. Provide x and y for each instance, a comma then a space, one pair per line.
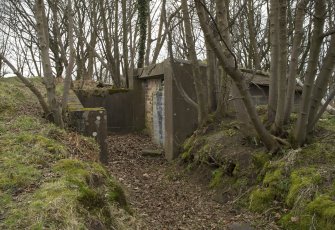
228, 62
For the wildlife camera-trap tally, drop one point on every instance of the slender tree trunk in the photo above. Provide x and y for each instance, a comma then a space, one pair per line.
281, 83
253, 38
223, 26
199, 89
125, 42
211, 75
300, 130
320, 86
149, 40
223, 86
160, 37
229, 65
108, 46
69, 68
49, 79
143, 15
296, 48
274, 68
116, 44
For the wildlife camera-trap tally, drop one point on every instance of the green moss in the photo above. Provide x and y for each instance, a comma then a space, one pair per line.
40, 187
324, 207
259, 159
319, 213
273, 177
76, 169
116, 194
189, 143
293, 221
230, 132
186, 155
327, 122
101, 92
301, 179
321, 152
90, 198
74, 108
217, 178
261, 199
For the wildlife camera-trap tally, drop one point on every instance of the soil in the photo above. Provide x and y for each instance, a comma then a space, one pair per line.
163, 196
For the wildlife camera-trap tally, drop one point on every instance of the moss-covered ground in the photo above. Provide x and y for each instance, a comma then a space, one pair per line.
50, 178
296, 188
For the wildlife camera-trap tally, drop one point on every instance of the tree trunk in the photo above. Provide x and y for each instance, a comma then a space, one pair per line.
320, 86
69, 68
199, 87
27, 83
296, 48
274, 68
149, 40
229, 65
253, 38
281, 83
143, 15
49, 79
211, 75
125, 42
223, 86
116, 45
300, 130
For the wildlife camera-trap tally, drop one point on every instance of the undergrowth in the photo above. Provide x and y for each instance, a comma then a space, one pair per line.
295, 188
51, 178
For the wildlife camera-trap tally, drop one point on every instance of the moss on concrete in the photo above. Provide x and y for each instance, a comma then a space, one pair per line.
100, 92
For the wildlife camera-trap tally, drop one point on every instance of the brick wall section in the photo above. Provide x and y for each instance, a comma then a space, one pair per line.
151, 86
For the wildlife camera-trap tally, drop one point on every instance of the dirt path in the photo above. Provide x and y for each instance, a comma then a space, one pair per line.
162, 198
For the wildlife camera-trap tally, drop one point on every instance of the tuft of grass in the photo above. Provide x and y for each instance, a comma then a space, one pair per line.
261, 199
217, 178
302, 179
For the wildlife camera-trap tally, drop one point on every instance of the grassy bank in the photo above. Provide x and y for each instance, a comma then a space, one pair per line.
50, 178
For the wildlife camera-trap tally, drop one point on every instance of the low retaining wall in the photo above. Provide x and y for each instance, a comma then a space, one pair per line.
124, 108
91, 122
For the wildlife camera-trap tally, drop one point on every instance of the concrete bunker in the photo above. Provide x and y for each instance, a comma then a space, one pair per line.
154, 103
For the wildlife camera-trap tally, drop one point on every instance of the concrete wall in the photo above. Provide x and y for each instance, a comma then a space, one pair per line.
125, 109
260, 95
180, 116
155, 103
91, 122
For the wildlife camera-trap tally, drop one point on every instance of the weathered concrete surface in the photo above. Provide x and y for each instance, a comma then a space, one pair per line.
125, 108
90, 122
180, 116
155, 103
169, 118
